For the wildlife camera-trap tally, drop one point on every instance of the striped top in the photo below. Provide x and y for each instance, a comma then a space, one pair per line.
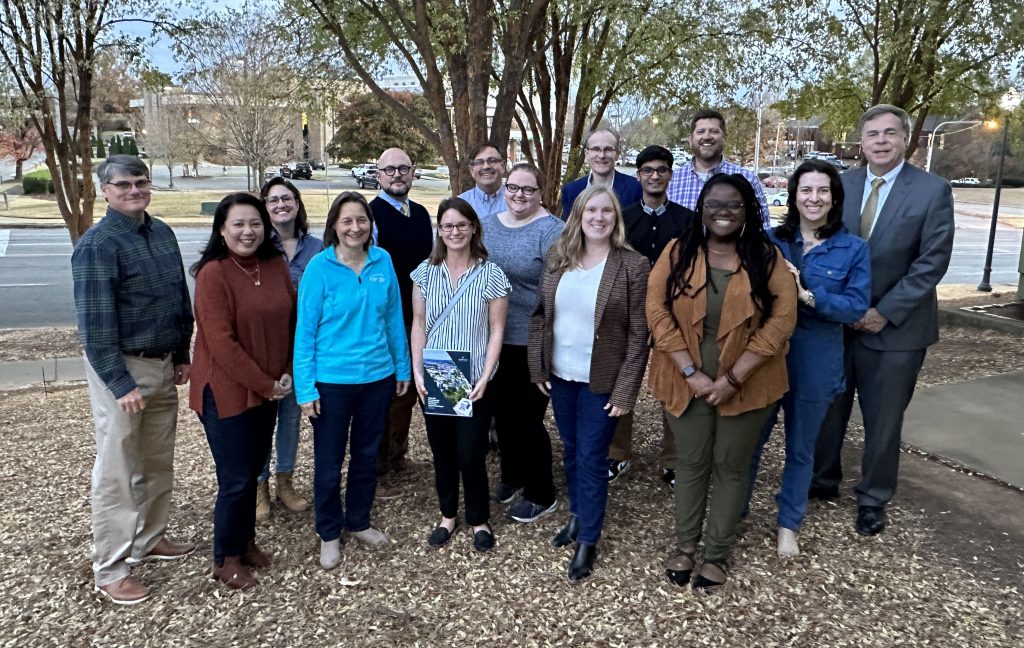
467, 327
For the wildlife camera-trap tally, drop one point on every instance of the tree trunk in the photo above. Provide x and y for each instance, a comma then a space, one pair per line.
18, 169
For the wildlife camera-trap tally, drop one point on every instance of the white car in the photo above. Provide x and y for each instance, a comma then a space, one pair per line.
361, 169
967, 181
778, 198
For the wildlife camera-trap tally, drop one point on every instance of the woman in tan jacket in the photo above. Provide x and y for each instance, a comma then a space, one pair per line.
721, 306
588, 349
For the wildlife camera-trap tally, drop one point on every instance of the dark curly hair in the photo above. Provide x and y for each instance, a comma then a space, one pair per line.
756, 252
833, 220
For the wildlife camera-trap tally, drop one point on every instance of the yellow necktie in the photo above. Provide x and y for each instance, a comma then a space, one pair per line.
405, 209
870, 211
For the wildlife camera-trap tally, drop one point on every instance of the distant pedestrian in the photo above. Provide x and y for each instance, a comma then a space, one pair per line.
459, 303
588, 351
245, 308
135, 322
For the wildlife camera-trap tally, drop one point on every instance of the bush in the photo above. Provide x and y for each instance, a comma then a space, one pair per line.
37, 182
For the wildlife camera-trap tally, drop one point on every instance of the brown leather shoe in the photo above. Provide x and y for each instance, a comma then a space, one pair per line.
285, 492
234, 574
165, 550
126, 591
256, 557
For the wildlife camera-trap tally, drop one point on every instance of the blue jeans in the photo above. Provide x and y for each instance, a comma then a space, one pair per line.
802, 421
286, 440
238, 445
347, 411
586, 431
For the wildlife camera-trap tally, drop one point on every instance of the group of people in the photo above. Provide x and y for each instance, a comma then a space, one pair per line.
676, 266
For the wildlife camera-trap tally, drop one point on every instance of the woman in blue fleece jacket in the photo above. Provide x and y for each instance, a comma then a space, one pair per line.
351, 357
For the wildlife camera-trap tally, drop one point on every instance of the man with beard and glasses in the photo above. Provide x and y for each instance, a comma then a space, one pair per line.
487, 168
601, 151
403, 229
707, 142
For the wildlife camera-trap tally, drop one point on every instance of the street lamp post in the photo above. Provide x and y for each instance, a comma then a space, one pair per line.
1010, 101
931, 138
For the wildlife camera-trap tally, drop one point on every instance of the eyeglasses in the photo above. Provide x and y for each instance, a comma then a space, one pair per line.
124, 185
448, 227
491, 161
598, 150
649, 171
527, 191
715, 206
284, 200
391, 170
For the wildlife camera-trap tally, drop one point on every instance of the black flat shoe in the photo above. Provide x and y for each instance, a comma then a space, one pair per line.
870, 520
568, 533
582, 564
680, 568
483, 540
440, 536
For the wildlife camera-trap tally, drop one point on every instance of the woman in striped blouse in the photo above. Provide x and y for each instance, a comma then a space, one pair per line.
474, 323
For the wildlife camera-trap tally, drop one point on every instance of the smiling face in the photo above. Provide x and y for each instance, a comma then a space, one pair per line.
707, 141
884, 141
601, 150
456, 230
353, 227
282, 205
132, 201
398, 185
813, 198
598, 220
723, 212
654, 176
521, 206
242, 230
487, 169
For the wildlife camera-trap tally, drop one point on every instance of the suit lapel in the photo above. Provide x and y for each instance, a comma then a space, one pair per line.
897, 194
853, 185
604, 290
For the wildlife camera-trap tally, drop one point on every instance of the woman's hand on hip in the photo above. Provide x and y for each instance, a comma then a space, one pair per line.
544, 387
311, 409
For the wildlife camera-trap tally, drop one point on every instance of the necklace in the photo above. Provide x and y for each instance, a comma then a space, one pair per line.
256, 274
714, 251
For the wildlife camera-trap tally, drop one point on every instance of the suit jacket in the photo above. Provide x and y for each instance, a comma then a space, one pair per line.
627, 189
910, 248
620, 349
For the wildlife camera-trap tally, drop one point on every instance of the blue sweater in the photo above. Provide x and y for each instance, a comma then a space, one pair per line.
350, 329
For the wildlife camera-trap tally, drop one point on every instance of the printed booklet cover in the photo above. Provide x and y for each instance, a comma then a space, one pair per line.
446, 374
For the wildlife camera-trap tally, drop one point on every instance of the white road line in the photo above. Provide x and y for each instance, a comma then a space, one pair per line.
45, 254
5, 237
22, 285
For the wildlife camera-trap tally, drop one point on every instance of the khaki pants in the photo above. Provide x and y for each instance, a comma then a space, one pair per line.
622, 443
134, 469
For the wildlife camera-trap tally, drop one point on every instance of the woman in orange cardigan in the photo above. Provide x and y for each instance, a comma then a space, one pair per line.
721, 306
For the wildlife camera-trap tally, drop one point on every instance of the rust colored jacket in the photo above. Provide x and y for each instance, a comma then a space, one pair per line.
620, 349
737, 332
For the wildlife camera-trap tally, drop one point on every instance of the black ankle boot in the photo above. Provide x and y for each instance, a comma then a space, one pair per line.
568, 534
582, 564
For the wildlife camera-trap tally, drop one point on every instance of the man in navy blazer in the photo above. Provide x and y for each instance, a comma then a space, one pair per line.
602, 149
906, 216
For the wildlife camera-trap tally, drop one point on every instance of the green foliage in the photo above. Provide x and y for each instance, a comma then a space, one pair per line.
115, 146
130, 147
101, 152
37, 182
364, 130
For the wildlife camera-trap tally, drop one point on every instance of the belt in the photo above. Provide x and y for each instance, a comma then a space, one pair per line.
150, 355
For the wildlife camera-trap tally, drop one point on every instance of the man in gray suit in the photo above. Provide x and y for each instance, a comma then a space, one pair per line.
906, 216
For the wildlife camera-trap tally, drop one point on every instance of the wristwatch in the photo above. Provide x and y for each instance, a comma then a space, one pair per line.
689, 370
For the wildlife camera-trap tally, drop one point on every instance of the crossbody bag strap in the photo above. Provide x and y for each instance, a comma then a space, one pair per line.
450, 306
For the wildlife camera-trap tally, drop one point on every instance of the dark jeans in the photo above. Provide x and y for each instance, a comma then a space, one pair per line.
586, 431
460, 447
356, 411
239, 445
519, 419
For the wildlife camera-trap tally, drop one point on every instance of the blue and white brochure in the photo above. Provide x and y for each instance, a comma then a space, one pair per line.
446, 374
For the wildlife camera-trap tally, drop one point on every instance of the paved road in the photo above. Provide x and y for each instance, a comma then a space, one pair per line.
35, 268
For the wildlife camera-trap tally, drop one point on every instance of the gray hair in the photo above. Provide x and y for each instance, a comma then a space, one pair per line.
613, 133
885, 109
128, 165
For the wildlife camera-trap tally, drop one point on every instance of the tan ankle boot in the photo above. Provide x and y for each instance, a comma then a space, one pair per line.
287, 495
262, 501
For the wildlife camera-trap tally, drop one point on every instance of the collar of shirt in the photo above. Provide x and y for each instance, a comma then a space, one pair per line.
883, 191
657, 211
485, 197
391, 200
123, 221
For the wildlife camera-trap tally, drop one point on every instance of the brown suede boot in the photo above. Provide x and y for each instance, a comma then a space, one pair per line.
262, 501
287, 495
256, 557
234, 574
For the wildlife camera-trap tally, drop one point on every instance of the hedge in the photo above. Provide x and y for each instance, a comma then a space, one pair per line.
37, 182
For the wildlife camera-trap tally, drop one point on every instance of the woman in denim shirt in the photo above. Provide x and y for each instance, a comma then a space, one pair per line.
832, 268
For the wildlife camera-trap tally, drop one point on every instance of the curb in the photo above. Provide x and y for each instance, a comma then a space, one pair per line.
970, 319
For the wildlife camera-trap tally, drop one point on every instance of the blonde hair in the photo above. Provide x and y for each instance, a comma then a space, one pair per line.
567, 252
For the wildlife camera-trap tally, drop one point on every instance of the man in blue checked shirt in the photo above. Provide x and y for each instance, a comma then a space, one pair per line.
135, 322
707, 142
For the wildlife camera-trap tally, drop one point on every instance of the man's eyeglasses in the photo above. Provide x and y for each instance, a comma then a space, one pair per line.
715, 206
124, 185
448, 227
598, 150
491, 161
391, 170
649, 171
527, 191
283, 200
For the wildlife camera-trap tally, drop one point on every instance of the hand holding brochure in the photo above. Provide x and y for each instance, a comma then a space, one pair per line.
446, 374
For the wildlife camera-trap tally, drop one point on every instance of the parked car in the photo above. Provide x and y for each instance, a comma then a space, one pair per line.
297, 170
318, 164
368, 179
360, 169
966, 181
776, 182
778, 198
836, 162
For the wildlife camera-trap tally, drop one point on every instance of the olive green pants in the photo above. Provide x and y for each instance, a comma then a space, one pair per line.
709, 445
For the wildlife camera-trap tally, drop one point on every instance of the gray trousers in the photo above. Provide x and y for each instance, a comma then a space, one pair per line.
884, 382
134, 469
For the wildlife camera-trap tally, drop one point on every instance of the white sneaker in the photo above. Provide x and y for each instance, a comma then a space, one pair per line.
370, 537
330, 553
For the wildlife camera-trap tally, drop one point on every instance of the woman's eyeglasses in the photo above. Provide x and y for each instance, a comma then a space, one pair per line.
448, 227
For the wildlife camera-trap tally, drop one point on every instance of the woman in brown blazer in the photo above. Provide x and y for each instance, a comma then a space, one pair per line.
588, 350
721, 306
